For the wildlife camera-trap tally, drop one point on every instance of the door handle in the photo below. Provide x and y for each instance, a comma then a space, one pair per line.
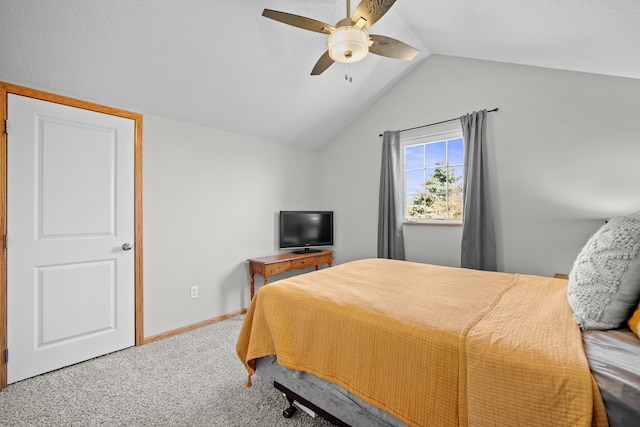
127, 247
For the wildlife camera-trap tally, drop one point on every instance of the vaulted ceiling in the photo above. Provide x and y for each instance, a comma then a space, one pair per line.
221, 64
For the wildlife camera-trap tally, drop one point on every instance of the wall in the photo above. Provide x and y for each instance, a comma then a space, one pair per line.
210, 201
564, 151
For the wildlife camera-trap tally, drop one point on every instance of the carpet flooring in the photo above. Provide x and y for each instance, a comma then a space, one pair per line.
191, 379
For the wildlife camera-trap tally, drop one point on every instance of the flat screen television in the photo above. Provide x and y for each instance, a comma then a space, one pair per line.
306, 229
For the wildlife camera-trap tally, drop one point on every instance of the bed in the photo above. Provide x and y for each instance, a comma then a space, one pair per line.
383, 342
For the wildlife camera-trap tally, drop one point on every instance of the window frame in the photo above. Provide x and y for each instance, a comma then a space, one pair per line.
433, 137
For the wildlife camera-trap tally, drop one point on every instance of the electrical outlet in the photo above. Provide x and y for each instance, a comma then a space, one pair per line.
194, 292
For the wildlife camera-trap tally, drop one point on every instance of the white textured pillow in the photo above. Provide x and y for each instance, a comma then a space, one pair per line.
604, 284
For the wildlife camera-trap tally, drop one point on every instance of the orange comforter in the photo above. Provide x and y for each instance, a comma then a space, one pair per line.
431, 345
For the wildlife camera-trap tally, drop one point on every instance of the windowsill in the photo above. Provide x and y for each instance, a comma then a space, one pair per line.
433, 222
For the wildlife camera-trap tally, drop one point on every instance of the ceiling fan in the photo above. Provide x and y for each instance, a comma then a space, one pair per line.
349, 40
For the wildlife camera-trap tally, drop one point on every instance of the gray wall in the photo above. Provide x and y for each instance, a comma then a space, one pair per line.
564, 155
210, 201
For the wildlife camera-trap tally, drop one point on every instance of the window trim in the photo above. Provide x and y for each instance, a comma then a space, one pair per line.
430, 221
451, 133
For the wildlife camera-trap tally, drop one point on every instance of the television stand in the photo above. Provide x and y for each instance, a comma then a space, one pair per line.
268, 265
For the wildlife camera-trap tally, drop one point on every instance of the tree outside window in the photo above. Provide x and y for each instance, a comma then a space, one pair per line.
434, 179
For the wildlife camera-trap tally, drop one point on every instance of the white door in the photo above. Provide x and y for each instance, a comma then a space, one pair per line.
70, 222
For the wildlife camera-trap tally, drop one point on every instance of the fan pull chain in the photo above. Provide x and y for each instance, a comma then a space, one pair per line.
346, 73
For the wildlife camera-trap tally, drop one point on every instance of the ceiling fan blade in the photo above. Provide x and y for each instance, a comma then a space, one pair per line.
323, 63
371, 11
298, 21
392, 48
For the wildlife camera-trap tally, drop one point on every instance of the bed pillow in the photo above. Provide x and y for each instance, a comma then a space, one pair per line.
604, 283
634, 322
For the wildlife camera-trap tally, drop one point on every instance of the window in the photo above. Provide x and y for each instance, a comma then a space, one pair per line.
433, 177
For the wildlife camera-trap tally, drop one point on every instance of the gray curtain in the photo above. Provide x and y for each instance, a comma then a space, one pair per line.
478, 232
390, 238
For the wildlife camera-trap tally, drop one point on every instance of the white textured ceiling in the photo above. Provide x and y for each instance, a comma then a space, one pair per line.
222, 65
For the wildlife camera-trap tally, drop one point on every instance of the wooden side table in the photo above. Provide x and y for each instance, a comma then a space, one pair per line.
268, 265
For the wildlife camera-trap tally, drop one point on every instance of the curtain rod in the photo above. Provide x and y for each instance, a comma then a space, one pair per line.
439, 123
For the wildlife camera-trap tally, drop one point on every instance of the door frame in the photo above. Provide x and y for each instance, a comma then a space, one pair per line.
7, 88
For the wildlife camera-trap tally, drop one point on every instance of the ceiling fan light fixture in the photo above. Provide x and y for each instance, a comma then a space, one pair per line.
348, 44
